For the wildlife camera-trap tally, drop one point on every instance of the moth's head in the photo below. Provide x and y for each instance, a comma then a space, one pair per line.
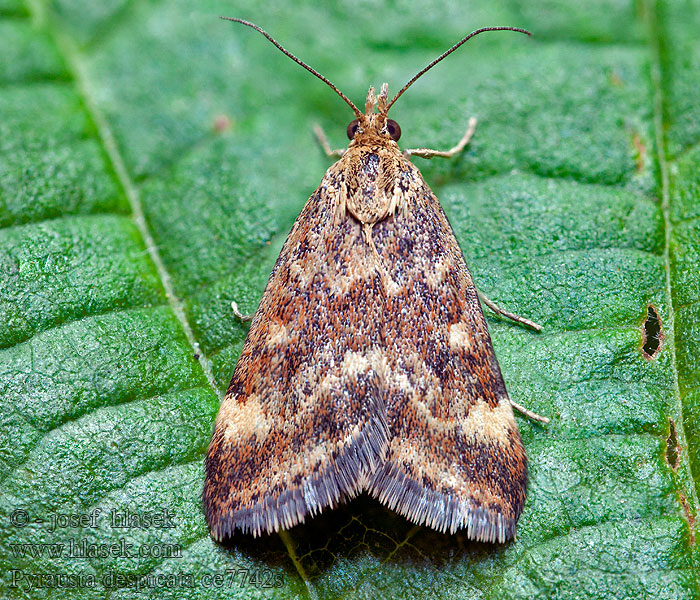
373, 125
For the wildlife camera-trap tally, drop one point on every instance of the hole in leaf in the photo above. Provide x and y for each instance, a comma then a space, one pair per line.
690, 517
652, 333
672, 447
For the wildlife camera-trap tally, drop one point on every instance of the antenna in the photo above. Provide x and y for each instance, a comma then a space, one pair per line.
300, 62
450, 51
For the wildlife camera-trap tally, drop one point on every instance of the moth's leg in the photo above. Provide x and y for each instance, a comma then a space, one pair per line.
518, 319
499, 311
428, 153
323, 140
528, 413
239, 314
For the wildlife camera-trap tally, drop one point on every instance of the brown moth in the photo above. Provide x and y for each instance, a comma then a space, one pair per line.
368, 365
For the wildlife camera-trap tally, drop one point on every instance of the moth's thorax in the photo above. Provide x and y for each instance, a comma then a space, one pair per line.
373, 165
370, 173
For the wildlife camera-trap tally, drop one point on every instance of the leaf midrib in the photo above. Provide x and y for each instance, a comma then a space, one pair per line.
655, 31
105, 138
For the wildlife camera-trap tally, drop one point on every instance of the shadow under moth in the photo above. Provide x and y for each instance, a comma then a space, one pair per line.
368, 365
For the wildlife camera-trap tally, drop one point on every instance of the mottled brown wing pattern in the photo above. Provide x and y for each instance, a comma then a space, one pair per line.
455, 456
303, 421
368, 366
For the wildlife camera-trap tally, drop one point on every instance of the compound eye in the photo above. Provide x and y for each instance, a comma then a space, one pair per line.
394, 130
352, 128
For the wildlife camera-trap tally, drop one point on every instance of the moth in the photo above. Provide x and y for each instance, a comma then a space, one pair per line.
368, 365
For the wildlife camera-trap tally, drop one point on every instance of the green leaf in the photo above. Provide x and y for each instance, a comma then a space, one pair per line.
152, 161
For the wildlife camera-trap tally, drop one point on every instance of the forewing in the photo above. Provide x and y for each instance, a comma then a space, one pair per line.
455, 456
302, 423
